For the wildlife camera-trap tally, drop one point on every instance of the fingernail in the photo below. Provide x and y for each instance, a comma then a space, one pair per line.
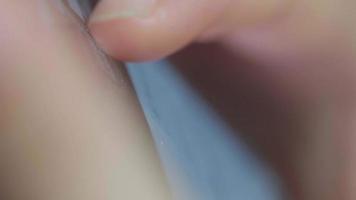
121, 9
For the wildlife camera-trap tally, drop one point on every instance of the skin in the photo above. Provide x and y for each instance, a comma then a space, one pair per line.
66, 126
69, 128
300, 53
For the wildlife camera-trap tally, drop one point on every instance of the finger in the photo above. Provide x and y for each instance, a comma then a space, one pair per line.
67, 129
150, 29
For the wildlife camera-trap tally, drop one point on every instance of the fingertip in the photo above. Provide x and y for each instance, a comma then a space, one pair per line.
135, 30
130, 32
134, 40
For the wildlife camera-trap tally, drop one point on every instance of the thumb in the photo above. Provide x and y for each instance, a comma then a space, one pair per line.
137, 30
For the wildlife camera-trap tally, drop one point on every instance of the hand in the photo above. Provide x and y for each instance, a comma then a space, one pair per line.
283, 72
